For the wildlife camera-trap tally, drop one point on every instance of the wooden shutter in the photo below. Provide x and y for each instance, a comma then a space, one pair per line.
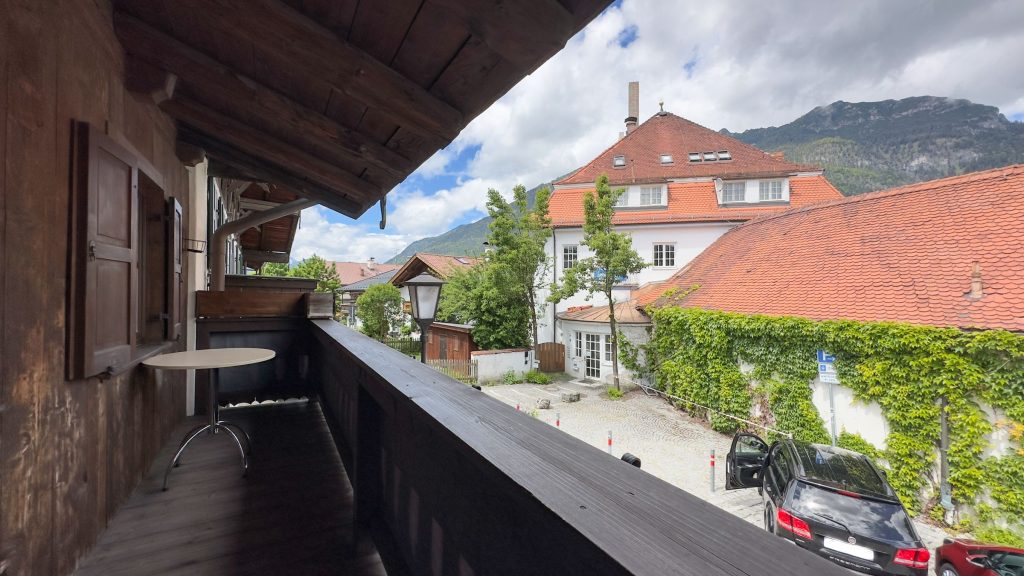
174, 277
102, 318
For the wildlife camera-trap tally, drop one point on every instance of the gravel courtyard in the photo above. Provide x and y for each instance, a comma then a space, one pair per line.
670, 444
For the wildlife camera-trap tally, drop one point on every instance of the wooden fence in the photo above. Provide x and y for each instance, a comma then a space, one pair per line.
461, 370
551, 356
406, 346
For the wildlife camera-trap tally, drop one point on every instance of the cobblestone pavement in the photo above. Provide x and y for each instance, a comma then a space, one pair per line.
670, 444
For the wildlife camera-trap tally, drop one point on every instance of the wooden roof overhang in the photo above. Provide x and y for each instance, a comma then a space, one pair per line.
338, 100
270, 241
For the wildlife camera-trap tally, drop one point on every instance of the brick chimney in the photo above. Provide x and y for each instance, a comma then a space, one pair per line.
634, 106
977, 287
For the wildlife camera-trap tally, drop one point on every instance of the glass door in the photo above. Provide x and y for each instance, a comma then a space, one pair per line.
592, 357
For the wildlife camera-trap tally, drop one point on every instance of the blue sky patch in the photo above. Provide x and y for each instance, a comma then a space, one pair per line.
1018, 117
627, 36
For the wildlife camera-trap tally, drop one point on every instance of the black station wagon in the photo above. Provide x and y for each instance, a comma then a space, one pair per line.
830, 501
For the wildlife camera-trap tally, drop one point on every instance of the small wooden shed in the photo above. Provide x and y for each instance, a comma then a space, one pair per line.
450, 341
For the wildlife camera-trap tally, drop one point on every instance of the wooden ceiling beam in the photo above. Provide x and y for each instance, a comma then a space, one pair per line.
510, 27
230, 162
219, 86
294, 38
270, 149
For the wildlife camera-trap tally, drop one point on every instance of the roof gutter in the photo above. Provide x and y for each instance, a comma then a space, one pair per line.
220, 236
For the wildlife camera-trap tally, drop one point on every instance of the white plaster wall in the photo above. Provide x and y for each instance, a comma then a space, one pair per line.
852, 415
492, 366
196, 266
689, 239
574, 365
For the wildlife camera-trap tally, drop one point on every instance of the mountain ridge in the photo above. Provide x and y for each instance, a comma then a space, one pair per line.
863, 146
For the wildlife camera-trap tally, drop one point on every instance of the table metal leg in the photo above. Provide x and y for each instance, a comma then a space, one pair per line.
181, 449
214, 424
248, 440
245, 459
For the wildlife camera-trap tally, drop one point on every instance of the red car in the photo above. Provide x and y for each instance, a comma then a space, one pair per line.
970, 558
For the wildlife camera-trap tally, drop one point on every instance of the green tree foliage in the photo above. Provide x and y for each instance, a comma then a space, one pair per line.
518, 234
380, 310
906, 369
613, 258
274, 269
320, 270
499, 295
476, 296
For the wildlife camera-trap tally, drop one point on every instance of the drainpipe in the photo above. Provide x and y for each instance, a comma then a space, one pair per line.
554, 274
254, 219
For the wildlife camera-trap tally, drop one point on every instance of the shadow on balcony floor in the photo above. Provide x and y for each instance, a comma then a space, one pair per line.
292, 515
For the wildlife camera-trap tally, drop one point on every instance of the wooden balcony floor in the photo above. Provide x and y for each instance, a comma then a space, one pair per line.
292, 515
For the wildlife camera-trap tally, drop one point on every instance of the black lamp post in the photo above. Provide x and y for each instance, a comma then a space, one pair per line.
424, 294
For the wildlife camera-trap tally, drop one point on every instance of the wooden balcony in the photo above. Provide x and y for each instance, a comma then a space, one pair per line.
395, 457
291, 515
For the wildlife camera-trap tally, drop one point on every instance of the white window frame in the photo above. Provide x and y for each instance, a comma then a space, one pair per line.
623, 199
666, 260
607, 347
616, 160
578, 345
770, 191
575, 255
647, 195
727, 198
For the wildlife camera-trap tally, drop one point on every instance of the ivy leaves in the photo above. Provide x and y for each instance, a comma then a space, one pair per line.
728, 361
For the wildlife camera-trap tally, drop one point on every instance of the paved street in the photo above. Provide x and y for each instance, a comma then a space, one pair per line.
670, 444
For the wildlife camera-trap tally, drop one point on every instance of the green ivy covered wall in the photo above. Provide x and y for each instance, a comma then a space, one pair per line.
907, 369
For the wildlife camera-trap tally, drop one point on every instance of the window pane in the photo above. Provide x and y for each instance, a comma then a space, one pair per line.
734, 192
608, 348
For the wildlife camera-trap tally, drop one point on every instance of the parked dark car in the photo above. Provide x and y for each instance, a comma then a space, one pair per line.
971, 558
830, 501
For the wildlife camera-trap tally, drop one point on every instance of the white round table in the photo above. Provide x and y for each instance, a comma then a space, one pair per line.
211, 359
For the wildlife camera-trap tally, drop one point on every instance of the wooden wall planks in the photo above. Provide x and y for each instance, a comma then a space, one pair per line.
70, 452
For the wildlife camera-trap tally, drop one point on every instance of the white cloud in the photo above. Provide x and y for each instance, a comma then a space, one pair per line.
417, 213
342, 242
752, 64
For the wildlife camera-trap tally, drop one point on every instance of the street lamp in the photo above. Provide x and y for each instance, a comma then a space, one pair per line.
424, 294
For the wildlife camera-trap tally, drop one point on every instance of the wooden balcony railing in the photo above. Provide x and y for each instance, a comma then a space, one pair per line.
451, 481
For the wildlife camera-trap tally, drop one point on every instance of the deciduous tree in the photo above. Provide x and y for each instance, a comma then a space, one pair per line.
380, 310
613, 259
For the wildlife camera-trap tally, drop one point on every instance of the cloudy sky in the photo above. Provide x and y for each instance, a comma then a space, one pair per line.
728, 64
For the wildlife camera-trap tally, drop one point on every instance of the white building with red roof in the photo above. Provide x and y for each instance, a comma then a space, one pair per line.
684, 186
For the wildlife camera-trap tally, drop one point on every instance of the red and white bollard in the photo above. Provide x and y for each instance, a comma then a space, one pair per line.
558, 419
517, 407
609, 441
712, 470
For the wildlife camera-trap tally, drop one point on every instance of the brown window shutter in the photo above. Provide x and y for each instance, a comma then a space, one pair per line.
103, 283
174, 277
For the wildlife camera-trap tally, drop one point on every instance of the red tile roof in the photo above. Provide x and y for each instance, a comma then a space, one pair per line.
691, 202
628, 312
350, 272
902, 255
439, 265
625, 313
670, 134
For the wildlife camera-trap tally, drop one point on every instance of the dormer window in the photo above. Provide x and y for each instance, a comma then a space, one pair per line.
619, 162
650, 196
710, 157
665, 158
770, 190
724, 155
734, 192
694, 156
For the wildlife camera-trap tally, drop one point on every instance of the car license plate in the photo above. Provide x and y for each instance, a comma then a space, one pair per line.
851, 549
